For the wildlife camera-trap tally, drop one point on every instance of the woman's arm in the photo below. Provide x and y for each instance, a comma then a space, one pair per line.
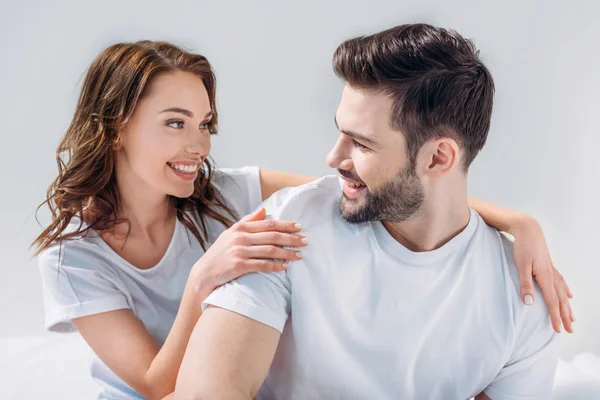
532, 259
272, 181
503, 219
122, 342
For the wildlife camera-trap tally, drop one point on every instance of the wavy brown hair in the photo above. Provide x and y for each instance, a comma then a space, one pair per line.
86, 185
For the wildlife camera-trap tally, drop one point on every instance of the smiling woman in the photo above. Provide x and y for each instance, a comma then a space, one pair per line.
135, 206
124, 123
176, 136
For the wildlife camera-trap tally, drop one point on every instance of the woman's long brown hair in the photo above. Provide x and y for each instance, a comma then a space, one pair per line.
86, 186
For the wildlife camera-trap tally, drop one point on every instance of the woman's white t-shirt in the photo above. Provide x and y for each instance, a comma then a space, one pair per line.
92, 278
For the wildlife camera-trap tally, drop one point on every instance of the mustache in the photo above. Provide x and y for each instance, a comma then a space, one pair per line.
349, 175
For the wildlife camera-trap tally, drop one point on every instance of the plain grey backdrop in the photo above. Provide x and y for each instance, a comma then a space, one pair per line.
277, 96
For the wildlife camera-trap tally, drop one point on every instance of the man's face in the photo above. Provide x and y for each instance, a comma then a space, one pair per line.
380, 182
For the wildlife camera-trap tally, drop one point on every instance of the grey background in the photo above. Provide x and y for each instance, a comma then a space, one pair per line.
277, 97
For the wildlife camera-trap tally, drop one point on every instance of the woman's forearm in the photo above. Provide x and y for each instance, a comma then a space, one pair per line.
503, 219
162, 373
272, 181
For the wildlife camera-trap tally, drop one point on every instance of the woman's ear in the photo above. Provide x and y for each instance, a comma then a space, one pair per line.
117, 144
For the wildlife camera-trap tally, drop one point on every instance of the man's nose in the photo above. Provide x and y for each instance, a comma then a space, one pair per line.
337, 157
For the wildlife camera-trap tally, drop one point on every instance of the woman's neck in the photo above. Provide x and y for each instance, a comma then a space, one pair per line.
145, 209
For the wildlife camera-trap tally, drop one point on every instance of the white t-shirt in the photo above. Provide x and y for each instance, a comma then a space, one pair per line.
362, 317
92, 278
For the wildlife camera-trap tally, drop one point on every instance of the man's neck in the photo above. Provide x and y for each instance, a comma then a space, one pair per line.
441, 217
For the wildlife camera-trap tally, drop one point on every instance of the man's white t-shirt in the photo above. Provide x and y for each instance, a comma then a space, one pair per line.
362, 317
91, 278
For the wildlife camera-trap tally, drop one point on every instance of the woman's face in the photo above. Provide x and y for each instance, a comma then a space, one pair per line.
167, 138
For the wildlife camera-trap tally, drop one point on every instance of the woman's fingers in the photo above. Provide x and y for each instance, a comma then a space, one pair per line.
566, 314
527, 288
257, 215
265, 266
271, 252
277, 239
562, 278
546, 283
271, 225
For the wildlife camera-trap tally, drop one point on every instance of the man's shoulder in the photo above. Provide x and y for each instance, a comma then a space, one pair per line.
504, 272
498, 249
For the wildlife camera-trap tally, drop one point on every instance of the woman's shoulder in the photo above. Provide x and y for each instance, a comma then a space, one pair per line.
80, 248
235, 178
239, 188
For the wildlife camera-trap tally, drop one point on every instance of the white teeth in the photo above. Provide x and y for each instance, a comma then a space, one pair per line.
184, 168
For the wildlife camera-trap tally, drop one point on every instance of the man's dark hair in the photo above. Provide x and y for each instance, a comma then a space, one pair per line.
437, 83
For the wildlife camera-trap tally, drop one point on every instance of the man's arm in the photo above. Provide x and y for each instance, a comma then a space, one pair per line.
482, 396
528, 373
228, 357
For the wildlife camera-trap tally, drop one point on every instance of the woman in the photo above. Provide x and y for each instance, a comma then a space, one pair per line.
144, 229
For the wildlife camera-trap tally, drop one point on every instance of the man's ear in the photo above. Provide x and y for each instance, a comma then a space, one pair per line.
439, 156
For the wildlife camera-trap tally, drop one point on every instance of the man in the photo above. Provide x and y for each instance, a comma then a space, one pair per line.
407, 293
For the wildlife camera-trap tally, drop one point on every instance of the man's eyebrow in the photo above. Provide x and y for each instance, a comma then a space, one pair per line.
355, 135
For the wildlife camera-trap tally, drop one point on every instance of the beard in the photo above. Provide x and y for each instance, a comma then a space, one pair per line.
396, 201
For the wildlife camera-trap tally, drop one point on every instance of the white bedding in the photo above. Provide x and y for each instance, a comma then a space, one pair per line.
57, 367
46, 367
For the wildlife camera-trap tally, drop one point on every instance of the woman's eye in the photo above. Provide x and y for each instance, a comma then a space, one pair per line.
207, 127
360, 146
175, 124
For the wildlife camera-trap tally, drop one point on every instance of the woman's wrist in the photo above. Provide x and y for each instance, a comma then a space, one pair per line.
521, 223
197, 289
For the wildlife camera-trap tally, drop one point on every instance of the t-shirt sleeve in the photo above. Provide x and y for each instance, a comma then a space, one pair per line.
529, 374
240, 187
77, 285
264, 297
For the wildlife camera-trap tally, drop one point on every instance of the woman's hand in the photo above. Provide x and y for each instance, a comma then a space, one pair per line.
253, 244
533, 260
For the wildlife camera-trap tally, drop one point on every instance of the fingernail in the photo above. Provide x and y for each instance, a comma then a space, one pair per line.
284, 266
529, 299
299, 254
298, 226
304, 240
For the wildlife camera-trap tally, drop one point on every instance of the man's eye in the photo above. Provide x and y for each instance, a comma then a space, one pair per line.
175, 124
360, 146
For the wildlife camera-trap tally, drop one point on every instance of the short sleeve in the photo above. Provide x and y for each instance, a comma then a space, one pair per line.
240, 187
75, 286
264, 297
529, 374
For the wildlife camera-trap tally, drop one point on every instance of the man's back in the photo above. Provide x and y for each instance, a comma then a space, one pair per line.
371, 319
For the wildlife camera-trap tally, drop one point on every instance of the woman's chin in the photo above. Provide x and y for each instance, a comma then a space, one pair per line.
182, 193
